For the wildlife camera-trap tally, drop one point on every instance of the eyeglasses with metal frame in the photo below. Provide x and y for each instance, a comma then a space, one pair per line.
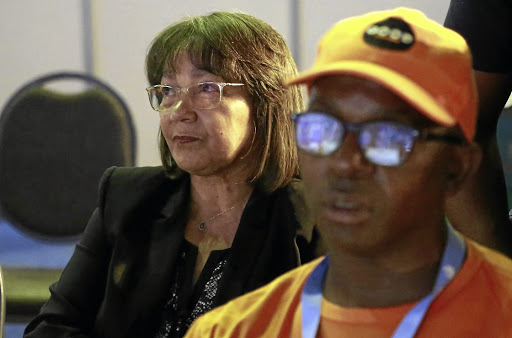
384, 143
202, 95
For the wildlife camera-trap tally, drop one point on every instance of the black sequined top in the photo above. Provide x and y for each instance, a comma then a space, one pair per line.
187, 301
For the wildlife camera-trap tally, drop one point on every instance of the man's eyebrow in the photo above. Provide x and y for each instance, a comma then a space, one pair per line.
318, 103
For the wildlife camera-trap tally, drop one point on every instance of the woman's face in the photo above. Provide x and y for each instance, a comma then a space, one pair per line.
211, 141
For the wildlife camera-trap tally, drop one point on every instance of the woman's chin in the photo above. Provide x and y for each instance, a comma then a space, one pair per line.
192, 169
197, 168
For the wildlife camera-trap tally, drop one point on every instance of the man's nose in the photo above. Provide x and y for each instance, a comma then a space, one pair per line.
349, 158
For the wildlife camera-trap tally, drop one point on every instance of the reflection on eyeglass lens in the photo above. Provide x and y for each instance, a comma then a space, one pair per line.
203, 95
385, 143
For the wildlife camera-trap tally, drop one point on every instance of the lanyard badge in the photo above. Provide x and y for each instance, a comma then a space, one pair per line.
311, 298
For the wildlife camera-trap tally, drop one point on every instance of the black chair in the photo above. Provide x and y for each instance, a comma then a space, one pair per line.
58, 134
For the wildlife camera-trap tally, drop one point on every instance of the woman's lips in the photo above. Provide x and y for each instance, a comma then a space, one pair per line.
184, 139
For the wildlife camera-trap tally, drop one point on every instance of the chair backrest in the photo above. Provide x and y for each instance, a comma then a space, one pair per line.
2, 304
55, 143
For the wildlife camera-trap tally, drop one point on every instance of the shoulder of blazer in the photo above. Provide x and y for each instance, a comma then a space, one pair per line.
308, 239
296, 195
129, 195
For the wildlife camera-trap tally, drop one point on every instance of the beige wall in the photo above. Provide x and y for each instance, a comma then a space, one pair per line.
38, 37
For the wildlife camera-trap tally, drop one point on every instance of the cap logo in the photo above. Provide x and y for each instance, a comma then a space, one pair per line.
391, 33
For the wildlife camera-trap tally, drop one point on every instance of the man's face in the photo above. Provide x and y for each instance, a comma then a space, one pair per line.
362, 207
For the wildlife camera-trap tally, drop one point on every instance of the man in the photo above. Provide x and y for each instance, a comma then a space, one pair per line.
481, 208
386, 140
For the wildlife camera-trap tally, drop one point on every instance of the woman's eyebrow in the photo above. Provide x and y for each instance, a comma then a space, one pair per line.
196, 74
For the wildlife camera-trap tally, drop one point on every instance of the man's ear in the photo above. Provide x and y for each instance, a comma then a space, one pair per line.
463, 164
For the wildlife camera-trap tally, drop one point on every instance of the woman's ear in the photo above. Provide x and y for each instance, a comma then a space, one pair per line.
463, 164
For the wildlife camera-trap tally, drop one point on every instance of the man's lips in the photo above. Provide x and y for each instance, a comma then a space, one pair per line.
346, 214
346, 209
344, 205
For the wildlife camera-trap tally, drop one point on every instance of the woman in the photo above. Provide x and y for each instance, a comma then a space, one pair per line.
167, 244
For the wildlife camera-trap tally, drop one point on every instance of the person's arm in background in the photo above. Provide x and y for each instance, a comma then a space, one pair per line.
480, 211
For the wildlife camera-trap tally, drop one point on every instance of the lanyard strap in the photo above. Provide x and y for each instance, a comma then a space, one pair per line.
452, 260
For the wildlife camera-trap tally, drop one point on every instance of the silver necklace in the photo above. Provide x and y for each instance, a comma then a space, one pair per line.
202, 225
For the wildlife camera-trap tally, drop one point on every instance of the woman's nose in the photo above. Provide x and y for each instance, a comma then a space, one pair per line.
182, 111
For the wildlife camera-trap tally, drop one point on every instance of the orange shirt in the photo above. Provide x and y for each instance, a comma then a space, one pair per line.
477, 303
337, 321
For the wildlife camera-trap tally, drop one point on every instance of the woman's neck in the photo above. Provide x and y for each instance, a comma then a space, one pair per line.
217, 193
216, 206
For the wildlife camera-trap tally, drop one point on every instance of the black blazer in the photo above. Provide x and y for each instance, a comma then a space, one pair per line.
118, 278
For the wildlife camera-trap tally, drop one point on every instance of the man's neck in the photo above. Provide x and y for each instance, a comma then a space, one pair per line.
384, 279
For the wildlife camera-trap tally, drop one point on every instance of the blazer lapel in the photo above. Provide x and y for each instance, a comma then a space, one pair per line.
245, 250
153, 250
264, 245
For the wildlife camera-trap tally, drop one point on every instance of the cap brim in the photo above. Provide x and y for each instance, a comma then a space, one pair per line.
402, 86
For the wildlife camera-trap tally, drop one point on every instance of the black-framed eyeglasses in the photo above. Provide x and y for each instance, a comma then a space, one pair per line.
202, 95
385, 143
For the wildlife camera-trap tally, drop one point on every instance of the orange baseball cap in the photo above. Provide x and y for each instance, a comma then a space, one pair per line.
426, 64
